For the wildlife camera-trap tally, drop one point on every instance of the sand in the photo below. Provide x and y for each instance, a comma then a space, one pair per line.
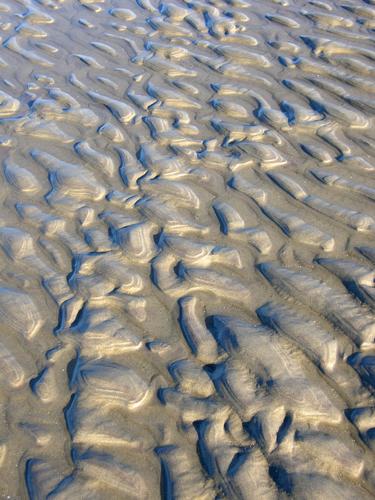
187, 249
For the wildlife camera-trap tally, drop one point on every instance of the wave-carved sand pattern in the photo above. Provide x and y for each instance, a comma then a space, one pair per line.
187, 249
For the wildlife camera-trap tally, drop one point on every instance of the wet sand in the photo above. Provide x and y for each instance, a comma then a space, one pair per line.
187, 249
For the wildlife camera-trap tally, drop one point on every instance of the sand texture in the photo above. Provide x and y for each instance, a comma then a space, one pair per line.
187, 254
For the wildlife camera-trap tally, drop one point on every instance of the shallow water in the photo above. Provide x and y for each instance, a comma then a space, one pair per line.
187, 249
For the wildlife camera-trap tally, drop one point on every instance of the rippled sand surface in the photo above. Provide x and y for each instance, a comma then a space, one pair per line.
187, 249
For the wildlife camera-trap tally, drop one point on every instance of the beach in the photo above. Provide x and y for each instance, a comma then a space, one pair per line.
187, 249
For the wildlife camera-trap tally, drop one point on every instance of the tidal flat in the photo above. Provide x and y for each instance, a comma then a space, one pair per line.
187, 249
